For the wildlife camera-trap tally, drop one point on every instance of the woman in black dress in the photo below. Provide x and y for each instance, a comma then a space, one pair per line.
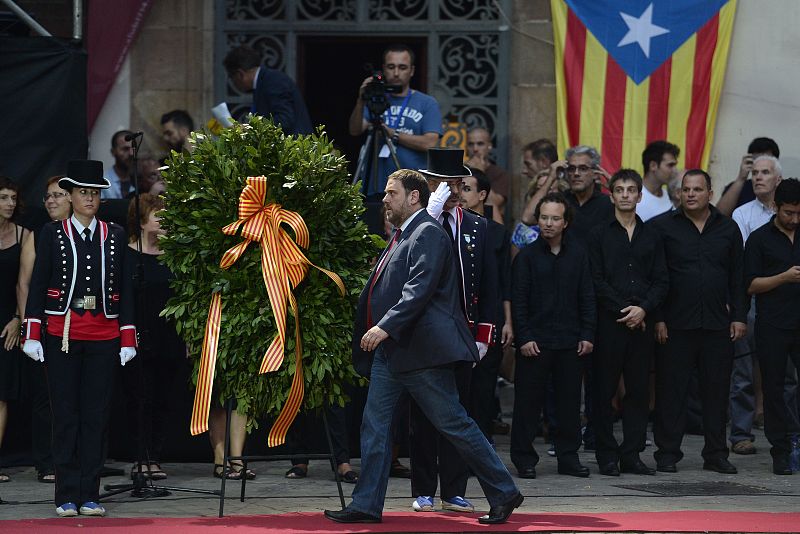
12, 236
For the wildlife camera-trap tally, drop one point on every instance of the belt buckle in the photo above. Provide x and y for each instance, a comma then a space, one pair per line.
89, 302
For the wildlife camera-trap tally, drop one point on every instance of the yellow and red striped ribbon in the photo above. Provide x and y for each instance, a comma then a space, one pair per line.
283, 267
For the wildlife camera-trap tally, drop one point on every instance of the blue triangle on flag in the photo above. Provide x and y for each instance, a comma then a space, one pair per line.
641, 34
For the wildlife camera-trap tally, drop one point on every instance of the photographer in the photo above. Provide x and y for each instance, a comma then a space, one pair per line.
411, 118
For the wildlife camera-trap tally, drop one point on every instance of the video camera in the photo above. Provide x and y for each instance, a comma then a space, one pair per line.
374, 94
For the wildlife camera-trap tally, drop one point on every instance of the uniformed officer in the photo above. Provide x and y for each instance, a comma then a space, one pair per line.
80, 290
477, 268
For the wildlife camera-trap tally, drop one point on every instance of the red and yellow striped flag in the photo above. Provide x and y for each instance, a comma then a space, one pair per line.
629, 73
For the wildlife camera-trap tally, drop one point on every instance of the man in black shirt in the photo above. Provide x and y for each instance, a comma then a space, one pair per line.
591, 207
704, 313
772, 274
554, 314
630, 281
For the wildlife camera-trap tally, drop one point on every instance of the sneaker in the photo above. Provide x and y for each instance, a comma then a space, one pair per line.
92, 508
457, 504
68, 509
551, 451
744, 446
423, 503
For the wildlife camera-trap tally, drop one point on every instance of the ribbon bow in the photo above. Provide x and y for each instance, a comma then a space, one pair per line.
283, 267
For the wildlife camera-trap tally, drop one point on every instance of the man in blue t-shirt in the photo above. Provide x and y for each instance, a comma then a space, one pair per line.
413, 120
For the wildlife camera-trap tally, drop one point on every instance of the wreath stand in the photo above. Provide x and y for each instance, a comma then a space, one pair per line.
270, 458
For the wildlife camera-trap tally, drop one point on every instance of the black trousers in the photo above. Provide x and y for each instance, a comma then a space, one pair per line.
434, 457
482, 406
774, 347
41, 416
530, 383
711, 352
621, 351
80, 384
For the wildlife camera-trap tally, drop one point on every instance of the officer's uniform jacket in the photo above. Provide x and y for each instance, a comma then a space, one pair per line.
480, 292
60, 276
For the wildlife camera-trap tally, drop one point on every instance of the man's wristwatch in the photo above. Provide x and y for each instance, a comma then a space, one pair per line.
395, 138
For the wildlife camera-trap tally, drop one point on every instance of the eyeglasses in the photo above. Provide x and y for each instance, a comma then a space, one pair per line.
581, 169
88, 193
55, 196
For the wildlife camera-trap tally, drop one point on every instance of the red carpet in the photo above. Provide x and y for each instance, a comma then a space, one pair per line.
315, 523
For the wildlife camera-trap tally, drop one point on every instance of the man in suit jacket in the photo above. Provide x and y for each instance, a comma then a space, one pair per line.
409, 332
274, 94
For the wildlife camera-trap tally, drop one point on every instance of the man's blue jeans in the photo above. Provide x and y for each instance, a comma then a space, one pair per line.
435, 392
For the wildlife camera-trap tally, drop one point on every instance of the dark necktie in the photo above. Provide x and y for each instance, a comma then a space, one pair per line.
447, 227
87, 236
378, 270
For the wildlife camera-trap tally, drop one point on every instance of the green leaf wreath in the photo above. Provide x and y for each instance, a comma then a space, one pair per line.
305, 175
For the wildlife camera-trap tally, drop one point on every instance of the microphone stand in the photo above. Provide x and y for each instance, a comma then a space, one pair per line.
139, 486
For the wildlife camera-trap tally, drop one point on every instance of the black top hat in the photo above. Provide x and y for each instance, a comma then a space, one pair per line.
84, 173
444, 163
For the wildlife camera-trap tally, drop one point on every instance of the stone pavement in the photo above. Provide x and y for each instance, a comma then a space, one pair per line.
756, 489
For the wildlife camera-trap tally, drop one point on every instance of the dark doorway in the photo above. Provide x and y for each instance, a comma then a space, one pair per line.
330, 71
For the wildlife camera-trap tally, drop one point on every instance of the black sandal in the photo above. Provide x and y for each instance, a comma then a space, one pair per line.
238, 467
351, 477
297, 472
230, 474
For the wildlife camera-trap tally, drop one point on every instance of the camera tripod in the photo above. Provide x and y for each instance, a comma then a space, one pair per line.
376, 138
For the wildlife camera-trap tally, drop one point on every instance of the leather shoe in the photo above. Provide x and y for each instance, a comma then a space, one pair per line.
720, 465
637, 467
780, 466
499, 514
527, 472
610, 469
576, 470
351, 516
667, 468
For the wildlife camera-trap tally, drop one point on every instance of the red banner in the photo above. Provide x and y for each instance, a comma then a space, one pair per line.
112, 27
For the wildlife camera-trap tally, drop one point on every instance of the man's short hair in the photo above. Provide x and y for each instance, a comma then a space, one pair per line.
776, 165
398, 47
655, 152
117, 135
698, 172
484, 184
241, 57
555, 198
542, 148
413, 180
625, 174
590, 151
179, 117
788, 192
764, 145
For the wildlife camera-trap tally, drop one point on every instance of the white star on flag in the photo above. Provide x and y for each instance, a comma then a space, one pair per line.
641, 30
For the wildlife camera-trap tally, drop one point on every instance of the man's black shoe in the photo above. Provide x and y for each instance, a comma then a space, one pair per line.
398, 470
527, 472
636, 467
780, 466
667, 468
720, 465
576, 470
351, 516
610, 469
499, 514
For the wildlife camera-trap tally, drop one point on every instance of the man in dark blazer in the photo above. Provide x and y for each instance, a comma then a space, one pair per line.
274, 94
409, 333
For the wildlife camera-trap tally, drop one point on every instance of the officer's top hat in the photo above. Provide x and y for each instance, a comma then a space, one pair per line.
446, 163
84, 173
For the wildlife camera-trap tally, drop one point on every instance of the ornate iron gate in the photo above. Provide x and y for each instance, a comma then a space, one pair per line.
468, 46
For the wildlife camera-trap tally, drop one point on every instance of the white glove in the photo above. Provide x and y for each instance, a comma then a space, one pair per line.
126, 354
482, 349
438, 199
33, 349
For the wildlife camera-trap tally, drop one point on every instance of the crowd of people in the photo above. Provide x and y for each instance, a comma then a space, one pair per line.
617, 296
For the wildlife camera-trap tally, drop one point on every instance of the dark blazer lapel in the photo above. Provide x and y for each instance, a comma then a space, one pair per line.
405, 233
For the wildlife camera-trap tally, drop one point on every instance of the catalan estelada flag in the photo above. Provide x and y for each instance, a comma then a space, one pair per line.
629, 72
